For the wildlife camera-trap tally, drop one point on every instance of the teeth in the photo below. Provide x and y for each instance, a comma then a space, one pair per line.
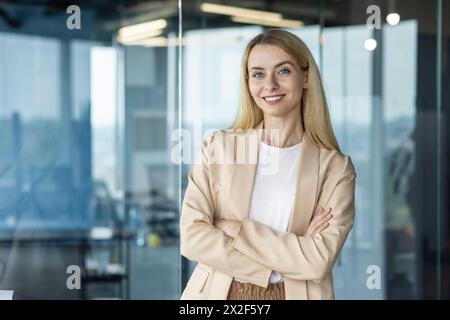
273, 98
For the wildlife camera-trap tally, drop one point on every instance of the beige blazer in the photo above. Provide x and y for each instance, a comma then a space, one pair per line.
223, 190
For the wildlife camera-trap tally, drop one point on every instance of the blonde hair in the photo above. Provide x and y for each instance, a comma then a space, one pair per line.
313, 107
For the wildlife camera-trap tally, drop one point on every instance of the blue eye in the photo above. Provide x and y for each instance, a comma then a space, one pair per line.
257, 75
284, 71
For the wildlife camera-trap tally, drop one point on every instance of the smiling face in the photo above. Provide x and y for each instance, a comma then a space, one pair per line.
275, 81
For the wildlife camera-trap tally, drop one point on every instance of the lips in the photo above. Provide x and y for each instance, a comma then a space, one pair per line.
274, 97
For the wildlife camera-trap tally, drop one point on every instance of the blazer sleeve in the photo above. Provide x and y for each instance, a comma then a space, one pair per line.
304, 257
200, 240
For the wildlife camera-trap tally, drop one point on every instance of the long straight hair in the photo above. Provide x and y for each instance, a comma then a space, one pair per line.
313, 107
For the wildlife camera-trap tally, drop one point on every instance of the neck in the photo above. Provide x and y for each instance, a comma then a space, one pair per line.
283, 132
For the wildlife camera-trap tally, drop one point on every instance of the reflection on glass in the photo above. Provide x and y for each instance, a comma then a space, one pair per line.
87, 119
378, 84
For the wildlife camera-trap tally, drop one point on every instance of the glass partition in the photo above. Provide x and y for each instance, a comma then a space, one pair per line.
380, 80
88, 193
96, 99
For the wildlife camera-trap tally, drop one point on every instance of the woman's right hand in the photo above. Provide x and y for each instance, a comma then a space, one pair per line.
319, 221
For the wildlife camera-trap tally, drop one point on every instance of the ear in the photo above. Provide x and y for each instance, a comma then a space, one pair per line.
305, 81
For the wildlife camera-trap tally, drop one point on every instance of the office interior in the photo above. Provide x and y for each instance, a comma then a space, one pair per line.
91, 181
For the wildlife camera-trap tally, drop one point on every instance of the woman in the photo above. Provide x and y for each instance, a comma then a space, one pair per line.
272, 232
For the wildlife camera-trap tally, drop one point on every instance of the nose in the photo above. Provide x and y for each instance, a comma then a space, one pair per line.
271, 83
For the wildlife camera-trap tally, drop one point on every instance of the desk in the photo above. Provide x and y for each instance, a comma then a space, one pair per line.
80, 239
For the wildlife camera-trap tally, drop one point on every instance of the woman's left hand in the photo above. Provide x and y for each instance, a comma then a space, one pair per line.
229, 227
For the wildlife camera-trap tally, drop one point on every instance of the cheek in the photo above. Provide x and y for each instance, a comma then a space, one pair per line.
298, 95
254, 90
295, 87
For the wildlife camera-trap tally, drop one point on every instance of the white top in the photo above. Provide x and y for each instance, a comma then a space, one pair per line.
274, 189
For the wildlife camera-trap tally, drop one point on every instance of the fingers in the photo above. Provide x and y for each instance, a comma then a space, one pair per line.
323, 216
321, 228
320, 221
322, 210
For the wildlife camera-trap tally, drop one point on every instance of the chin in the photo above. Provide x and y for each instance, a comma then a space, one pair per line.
278, 111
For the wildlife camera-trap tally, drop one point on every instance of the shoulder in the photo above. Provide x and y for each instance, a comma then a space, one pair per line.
214, 139
227, 146
219, 138
333, 161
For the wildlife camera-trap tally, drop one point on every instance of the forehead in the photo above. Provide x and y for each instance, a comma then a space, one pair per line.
267, 56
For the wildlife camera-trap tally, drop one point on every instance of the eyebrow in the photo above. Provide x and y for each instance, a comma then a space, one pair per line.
276, 66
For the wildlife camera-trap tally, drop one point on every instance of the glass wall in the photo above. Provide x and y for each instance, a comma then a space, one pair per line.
88, 191
97, 98
382, 79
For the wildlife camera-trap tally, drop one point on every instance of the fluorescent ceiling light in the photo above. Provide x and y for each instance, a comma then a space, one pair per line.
281, 23
141, 30
155, 42
240, 12
136, 39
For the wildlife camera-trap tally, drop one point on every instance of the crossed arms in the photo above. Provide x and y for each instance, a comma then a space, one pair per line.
251, 250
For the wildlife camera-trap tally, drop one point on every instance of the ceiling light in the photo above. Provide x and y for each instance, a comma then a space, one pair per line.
370, 44
240, 12
393, 18
136, 39
281, 23
141, 30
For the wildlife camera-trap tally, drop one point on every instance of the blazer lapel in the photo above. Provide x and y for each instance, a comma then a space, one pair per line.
306, 191
244, 174
243, 179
